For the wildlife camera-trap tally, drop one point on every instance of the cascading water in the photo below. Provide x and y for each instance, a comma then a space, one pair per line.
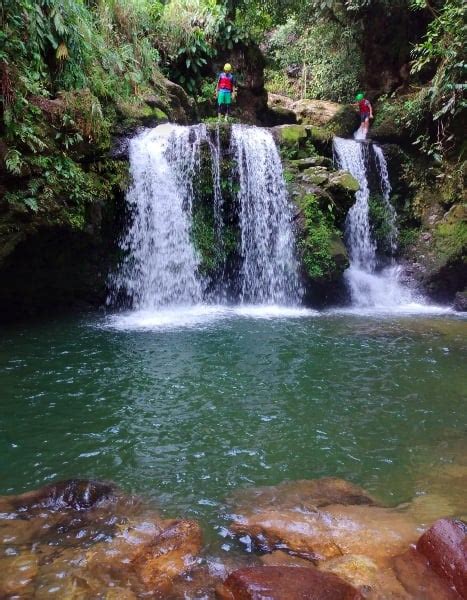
269, 272
368, 286
160, 265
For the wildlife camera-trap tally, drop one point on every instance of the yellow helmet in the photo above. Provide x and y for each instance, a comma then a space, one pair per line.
227, 67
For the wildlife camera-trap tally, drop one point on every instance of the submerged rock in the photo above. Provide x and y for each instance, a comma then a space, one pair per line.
81, 539
322, 519
337, 530
285, 583
306, 493
373, 582
419, 580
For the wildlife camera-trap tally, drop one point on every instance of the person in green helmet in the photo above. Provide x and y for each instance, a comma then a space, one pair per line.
366, 113
224, 91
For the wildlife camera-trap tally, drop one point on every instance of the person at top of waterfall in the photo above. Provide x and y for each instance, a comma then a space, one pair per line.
366, 112
224, 91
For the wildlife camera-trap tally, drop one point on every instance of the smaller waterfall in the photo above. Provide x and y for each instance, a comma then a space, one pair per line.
369, 287
382, 167
160, 266
269, 272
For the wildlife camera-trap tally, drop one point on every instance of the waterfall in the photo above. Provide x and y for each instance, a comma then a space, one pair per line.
269, 272
160, 264
369, 287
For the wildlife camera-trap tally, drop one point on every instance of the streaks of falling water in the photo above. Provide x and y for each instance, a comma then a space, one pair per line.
160, 264
369, 287
382, 167
269, 272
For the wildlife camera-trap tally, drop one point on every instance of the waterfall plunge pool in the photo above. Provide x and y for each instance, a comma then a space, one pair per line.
186, 415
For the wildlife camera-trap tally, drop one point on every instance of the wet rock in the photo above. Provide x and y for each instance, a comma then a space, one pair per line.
17, 574
419, 580
78, 494
373, 582
172, 553
285, 583
306, 493
336, 530
279, 558
445, 547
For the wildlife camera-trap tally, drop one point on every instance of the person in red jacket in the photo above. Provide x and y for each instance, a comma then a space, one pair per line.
366, 113
224, 91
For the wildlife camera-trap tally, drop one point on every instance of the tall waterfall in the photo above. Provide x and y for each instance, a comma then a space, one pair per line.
369, 286
160, 265
269, 271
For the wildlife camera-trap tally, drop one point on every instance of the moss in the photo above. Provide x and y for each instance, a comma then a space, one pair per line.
344, 180
323, 253
380, 223
291, 135
451, 239
213, 252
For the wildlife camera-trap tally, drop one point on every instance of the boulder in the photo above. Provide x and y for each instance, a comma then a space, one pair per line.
315, 112
336, 530
343, 180
445, 547
345, 122
285, 583
182, 109
289, 135
78, 494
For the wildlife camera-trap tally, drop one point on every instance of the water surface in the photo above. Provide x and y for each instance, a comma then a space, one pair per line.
184, 411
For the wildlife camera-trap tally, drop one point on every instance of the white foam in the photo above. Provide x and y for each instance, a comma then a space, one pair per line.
411, 309
200, 315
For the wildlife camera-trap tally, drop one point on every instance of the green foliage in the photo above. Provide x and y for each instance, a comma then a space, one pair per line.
316, 244
444, 49
325, 57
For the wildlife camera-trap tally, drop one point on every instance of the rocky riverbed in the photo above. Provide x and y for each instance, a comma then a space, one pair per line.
311, 539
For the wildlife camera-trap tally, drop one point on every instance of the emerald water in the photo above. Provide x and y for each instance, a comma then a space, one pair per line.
185, 413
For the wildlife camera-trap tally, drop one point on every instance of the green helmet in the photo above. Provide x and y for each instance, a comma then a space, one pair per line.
359, 96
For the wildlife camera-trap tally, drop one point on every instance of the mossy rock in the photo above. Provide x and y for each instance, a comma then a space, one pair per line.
290, 135
302, 164
344, 180
135, 114
345, 121
316, 175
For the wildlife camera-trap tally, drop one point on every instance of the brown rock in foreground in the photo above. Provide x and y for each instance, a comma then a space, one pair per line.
337, 530
285, 583
445, 547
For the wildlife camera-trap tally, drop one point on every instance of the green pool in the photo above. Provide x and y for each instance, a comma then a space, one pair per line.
184, 410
